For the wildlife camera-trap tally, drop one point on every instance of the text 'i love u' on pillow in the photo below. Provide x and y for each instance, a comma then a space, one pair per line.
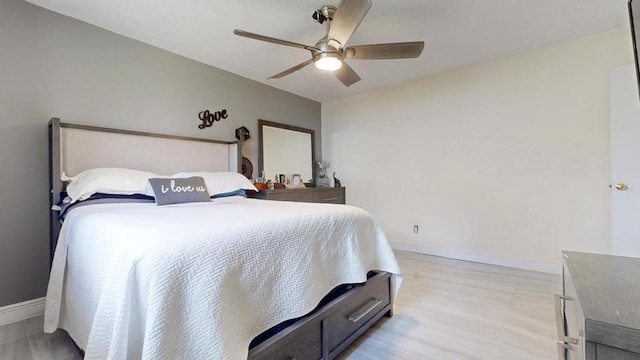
220, 182
179, 190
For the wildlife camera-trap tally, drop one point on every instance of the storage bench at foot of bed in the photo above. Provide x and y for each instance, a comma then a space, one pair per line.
330, 329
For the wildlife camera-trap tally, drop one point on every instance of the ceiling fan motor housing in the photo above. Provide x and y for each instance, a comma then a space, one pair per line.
324, 13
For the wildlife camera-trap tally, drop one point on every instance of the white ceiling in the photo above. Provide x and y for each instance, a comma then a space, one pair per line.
457, 33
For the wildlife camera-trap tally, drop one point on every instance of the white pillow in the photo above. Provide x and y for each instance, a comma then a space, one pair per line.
220, 182
108, 181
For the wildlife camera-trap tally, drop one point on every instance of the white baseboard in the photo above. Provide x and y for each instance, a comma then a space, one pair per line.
21, 311
534, 265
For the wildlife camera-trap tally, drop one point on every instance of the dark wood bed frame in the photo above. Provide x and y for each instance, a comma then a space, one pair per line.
340, 319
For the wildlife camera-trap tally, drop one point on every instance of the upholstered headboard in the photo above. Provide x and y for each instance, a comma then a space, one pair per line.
75, 148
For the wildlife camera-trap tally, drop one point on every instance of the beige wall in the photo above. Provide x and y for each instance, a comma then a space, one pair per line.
504, 162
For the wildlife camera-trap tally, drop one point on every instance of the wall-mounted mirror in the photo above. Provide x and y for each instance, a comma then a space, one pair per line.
286, 149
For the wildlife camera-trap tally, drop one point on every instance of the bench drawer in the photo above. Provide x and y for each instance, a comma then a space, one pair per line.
304, 343
363, 304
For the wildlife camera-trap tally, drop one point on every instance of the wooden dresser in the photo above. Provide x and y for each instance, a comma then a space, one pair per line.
597, 316
330, 195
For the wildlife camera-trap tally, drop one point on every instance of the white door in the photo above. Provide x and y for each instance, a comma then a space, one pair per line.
625, 162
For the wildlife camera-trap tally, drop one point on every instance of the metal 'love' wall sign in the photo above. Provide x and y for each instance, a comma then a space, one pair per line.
208, 118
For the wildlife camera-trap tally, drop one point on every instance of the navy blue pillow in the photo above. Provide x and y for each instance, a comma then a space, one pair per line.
100, 198
239, 192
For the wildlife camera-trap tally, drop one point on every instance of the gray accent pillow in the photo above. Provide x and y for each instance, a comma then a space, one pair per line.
179, 190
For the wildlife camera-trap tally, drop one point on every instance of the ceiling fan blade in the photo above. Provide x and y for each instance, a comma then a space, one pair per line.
385, 51
346, 75
273, 40
347, 19
292, 70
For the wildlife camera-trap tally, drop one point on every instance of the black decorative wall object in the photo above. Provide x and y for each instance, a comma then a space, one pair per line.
242, 134
208, 118
247, 168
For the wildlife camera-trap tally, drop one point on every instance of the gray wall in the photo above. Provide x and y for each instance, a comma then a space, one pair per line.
55, 66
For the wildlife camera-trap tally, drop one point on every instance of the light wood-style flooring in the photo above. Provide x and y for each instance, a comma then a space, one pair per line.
446, 309
451, 309
25, 340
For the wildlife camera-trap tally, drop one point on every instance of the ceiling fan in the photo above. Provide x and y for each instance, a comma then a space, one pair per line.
330, 52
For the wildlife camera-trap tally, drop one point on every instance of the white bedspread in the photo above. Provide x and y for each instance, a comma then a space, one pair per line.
201, 280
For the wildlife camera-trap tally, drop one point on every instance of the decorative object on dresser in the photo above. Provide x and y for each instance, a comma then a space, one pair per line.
321, 179
296, 182
597, 315
329, 195
286, 149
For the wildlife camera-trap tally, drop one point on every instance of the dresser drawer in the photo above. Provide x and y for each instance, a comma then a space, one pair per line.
610, 353
304, 343
291, 196
315, 195
570, 320
329, 195
364, 303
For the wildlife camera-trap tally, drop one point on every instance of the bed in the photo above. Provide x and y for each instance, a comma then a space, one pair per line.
227, 278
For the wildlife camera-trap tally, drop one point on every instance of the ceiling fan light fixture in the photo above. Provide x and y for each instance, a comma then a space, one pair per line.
328, 61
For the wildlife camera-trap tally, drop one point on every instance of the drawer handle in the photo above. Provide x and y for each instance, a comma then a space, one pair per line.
330, 199
364, 310
562, 350
559, 320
